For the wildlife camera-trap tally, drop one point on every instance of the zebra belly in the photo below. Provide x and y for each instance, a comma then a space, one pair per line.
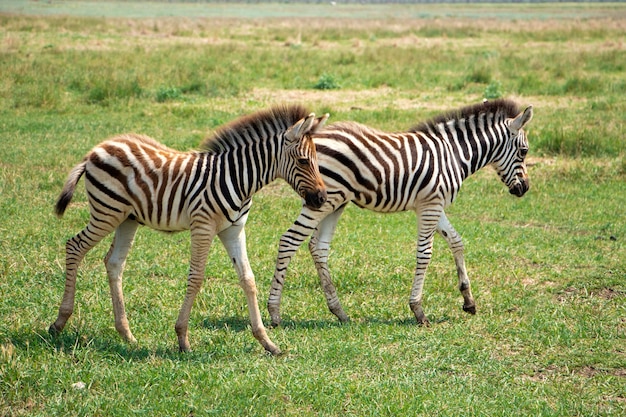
170, 226
376, 199
371, 204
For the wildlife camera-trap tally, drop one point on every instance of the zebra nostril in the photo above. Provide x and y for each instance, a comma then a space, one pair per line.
315, 199
321, 197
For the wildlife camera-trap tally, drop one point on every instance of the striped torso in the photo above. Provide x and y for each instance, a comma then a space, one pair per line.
160, 187
387, 172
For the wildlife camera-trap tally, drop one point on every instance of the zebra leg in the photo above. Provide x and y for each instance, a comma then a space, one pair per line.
319, 246
444, 227
290, 241
114, 263
201, 239
427, 223
75, 250
234, 240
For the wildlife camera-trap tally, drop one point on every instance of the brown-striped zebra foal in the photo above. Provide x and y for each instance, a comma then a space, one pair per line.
132, 180
420, 170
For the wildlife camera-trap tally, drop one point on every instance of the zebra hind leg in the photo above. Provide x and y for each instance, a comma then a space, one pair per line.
319, 246
201, 239
75, 250
455, 243
426, 225
114, 262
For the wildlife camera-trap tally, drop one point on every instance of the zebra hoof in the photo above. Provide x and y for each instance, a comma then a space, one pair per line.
418, 312
341, 316
470, 309
275, 352
271, 348
184, 347
275, 323
53, 330
423, 322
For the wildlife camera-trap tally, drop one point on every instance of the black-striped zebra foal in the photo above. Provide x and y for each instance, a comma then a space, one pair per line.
132, 180
419, 170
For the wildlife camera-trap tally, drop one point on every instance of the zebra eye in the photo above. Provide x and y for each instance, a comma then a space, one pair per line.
523, 152
303, 162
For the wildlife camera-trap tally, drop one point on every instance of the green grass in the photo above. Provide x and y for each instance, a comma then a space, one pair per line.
548, 270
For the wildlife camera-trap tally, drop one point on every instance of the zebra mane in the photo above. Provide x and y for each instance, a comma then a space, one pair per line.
504, 106
253, 127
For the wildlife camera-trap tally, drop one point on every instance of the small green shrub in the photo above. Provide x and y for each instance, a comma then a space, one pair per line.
493, 90
326, 82
97, 94
167, 93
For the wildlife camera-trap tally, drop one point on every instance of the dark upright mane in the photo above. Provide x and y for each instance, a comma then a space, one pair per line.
250, 128
505, 106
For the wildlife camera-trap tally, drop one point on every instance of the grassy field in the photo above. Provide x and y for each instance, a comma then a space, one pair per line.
548, 270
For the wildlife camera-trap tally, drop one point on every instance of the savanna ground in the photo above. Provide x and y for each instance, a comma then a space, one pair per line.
548, 270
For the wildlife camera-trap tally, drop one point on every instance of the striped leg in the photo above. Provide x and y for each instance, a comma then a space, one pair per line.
319, 247
201, 238
115, 261
75, 250
290, 241
234, 240
427, 223
456, 246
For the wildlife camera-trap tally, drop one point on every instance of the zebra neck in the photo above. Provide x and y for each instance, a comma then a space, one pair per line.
476, 141
247, 169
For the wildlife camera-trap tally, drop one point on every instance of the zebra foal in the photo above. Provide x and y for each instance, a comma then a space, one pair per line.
420, 170
133, 180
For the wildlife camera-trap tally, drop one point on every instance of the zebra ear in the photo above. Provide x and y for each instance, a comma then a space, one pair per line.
301, 128
520, 121
319, 123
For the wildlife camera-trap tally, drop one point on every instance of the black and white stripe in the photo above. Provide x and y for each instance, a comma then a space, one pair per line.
420, 170
133, 180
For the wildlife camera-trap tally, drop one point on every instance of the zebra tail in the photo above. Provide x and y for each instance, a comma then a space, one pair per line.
69, 187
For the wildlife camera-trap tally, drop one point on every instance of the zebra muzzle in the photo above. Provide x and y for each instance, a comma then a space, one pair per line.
315, 199
520, 187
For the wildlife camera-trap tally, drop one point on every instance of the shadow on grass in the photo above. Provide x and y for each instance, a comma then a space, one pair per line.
239, 324
72, 343
331, 322
233, 323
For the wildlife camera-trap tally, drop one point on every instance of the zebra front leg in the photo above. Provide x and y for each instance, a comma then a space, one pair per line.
114, 262
444, 227
201, 238
234, 240
290, 241
427, 222
319, 246
286, 250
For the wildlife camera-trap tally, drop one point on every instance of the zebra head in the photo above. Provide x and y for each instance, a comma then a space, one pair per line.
511, 166
299, 167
